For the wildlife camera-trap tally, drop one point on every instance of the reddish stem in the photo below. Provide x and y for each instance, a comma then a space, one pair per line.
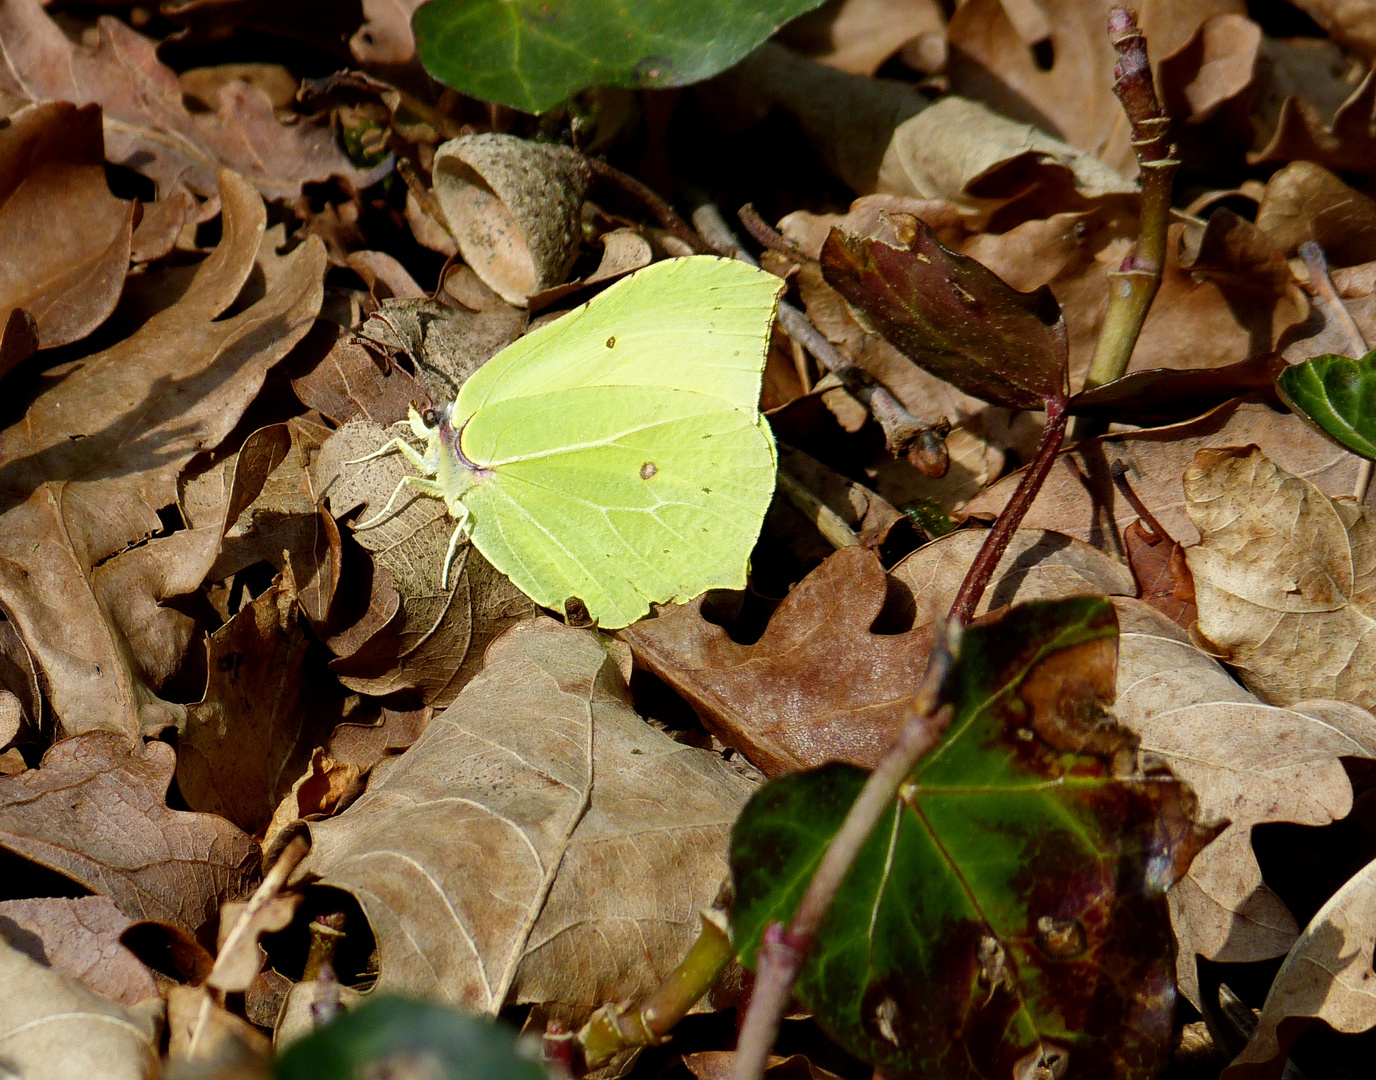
981, 571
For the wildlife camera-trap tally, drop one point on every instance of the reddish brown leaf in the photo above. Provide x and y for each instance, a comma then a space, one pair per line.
96, 811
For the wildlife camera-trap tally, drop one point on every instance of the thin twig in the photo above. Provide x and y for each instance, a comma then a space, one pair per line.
996, 541
829, 523
1133, 286
782, 952
665, 214
1322, 284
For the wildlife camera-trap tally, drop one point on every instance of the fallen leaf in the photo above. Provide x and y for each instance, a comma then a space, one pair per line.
79, 938
1079, 497
857, 36
1284, 578
540, 842
201, 1029
147, 125
1215, 66
435, 644
68, 246
1347, 145
1163, 578
354, 382
98, 454
1248, 763
1327, 978
51, 1026
239, 956
1305, 202
1352, 25
718, 1065
95, 810
993, 60
252, 733
821, 684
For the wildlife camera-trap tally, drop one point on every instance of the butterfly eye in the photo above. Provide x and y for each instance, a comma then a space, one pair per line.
431, 418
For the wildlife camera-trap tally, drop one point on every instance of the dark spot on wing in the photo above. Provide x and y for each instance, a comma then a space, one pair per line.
611, 342
648, 470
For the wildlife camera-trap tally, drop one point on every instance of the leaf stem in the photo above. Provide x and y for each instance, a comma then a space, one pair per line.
1133, 286
981, 571
783, 951
614, 1028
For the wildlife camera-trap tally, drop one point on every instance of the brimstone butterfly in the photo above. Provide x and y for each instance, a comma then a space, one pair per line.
616, 455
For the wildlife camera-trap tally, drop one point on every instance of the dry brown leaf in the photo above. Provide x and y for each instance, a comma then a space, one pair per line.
1306, 202
79, 938
202, 1030
435, 643
96, 811
1327, 977
1215, 66
53, 1028
239, 956
1345, 145
19, 680
1079, 497
1284, 577
881, 136
147, 125
98, 453
992, 60
353, 381
67, 238
1248, 763
718, 1065
1351, 24
820, 684
540, 842
251, 735
857, 36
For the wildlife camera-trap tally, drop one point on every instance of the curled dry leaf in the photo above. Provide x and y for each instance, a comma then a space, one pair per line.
252, 733
79, 937
354, 381
98, 453
857, 36
1248, 763
514, 208
1328, 977
880, 136
67, 246
540, 842
1284, 577
52, 1027
1079, 497
96, 811
1352, 25
435, 643
1305, 202
1347, 145
820, 684
147, 125
993, 59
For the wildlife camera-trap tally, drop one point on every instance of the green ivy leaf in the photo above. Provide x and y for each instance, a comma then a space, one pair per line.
954, 316
1338, 396
533, 54
394, 1036
1010, 909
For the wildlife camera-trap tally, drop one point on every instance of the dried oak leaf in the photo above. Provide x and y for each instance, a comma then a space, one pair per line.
994, 59
1352, 25
81, 938
1348, 145
354, 381
95, 810
540, 842
98, 453
52, 1026
147, 125
857, 36
1327, 978
1079, 497
252, 733
67, 237
1305, 202
820, 684
1285, 578
1248, 763
434, 638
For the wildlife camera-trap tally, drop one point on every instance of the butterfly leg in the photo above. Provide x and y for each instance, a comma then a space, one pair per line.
408, 451
459, 533
425, 487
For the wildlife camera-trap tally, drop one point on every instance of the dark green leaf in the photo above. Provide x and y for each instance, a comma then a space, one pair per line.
1338, 396
953, 316
533, 54
1012, 904
393, 1036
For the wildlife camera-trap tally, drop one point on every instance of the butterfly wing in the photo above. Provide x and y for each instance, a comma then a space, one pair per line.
699, 323
620, 496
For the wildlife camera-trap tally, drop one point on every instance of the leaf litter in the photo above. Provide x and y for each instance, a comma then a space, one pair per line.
228, 279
